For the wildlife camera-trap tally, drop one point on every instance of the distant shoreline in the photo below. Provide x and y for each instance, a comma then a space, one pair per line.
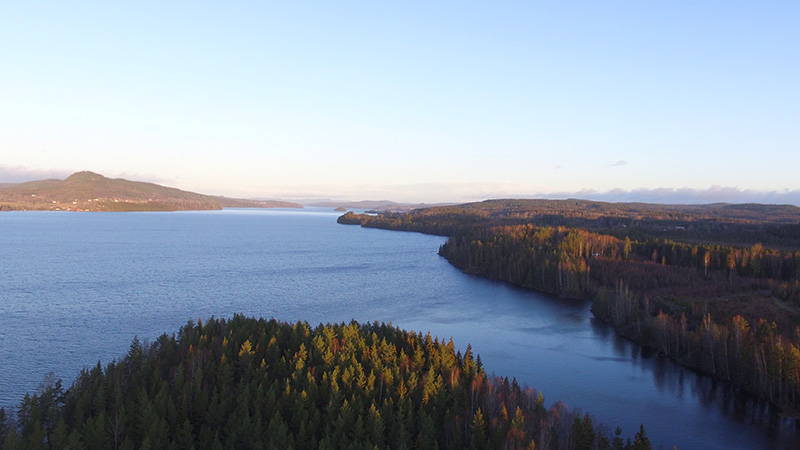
88, 191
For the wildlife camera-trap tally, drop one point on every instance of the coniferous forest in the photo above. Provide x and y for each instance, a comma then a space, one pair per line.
716, 287
263, 384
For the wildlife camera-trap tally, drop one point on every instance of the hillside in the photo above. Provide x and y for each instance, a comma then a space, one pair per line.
88, 191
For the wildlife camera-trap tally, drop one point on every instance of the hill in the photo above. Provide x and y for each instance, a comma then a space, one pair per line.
89, 191
373, 205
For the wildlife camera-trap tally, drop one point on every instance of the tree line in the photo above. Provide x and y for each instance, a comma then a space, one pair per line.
752, 356
774, 226
656, 293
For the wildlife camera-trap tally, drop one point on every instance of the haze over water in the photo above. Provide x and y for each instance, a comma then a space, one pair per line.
76, 289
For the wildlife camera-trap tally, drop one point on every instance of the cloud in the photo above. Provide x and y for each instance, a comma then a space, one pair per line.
713, 194
20, 174
411, 193
471, 192
619, 163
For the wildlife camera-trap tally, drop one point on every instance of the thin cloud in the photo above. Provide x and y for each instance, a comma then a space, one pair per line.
471, 192
619, 163
713, 194
21, 174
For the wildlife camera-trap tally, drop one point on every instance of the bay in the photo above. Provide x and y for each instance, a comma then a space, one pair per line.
77, 287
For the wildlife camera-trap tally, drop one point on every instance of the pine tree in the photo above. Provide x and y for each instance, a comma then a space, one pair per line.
185, 436
74, 441
59, 437
618, 443
35, 441
3, 426
583, 431
375, 427
640, 441
12, 440
478, 438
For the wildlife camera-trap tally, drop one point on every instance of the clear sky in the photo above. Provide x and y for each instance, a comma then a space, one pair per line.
408, 101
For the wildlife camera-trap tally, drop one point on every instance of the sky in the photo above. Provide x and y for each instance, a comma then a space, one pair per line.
678, 101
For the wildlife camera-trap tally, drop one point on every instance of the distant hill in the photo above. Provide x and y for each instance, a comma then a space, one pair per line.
89, 191
378, 205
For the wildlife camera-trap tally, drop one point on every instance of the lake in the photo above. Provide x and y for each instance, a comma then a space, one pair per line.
77, 287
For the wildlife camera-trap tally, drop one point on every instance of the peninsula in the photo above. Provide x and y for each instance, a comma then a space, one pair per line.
716, 287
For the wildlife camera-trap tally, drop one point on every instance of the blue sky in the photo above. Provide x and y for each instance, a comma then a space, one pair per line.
408, 101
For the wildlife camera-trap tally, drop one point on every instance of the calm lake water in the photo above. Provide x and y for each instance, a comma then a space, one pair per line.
75, 288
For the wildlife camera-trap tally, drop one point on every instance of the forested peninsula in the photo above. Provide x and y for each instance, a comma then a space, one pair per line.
263, 384
89, 191
716, 287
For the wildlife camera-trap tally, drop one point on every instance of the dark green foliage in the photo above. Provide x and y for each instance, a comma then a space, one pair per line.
583, 433
12, 440
3, 425
246, 383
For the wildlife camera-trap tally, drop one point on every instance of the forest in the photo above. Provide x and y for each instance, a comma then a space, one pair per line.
262, 384
698, 284
774, 226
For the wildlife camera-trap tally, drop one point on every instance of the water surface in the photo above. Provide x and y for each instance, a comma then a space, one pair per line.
77, 287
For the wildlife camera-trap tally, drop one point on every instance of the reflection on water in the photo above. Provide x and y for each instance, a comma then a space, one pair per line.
715, 397
76, 288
